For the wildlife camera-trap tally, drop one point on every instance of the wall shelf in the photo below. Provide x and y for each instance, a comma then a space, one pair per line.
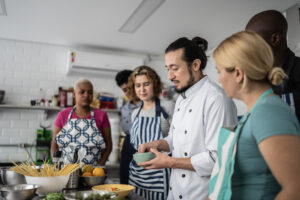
28, 107
47, 109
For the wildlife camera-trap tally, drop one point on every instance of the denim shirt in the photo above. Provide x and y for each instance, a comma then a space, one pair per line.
126, 112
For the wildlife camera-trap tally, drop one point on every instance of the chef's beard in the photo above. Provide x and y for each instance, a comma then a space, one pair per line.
189, 83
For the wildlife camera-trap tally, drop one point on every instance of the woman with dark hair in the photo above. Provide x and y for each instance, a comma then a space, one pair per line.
150, 122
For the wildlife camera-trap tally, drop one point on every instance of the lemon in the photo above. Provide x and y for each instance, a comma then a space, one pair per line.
87, 168
98, 171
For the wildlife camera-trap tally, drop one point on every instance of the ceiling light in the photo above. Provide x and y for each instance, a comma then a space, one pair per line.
140, 15
2, 8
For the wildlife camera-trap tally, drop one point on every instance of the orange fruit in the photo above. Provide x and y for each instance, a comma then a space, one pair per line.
98, 171
87, 174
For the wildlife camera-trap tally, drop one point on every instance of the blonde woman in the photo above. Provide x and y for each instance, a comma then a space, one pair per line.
259, 159
150, 122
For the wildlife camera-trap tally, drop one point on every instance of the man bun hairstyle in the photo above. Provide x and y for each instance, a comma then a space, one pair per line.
202, 43
192, 49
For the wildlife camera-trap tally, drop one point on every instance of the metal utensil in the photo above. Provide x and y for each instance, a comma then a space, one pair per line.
85, 194
18, 192
92, 180
10, 177
73, 182
74, 177
75, 156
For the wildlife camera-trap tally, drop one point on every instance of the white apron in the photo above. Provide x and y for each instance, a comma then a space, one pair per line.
84, 135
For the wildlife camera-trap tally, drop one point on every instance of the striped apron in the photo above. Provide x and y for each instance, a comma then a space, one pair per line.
220, 182
84, 135
151, 184
289, 99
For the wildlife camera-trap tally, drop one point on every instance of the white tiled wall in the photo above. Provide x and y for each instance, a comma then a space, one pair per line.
25, 67
18, 127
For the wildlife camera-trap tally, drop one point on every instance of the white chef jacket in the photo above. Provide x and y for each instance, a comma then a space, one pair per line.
199, 114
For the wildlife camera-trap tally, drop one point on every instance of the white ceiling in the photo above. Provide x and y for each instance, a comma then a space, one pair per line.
95, 23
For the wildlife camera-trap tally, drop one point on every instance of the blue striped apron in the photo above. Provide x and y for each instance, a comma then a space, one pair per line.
151, 184
84, 135
289, 99
220, 182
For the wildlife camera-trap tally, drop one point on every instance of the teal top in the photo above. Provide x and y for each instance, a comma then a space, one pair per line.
252, 178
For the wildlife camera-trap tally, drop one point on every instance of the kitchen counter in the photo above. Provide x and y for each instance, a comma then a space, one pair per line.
112, 173
82, 188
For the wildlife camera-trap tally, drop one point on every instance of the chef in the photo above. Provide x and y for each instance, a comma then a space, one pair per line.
201, 109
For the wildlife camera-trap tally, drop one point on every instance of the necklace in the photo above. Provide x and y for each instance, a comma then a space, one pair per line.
81, 114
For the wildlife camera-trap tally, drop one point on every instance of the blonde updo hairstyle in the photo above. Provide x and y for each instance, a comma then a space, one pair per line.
250, 52
152, 77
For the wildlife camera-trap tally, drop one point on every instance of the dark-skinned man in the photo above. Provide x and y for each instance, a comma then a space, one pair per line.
272, 26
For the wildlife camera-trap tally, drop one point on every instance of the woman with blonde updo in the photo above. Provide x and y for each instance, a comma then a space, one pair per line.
259, 158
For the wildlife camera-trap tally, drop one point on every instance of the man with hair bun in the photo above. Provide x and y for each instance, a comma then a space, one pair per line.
272, 26
201, 109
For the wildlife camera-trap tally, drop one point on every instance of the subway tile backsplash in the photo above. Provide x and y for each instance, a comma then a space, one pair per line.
25, 67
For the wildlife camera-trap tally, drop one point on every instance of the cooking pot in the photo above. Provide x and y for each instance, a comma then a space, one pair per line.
9, 177
18, 192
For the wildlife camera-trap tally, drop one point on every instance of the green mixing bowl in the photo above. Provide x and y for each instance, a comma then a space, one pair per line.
143, 157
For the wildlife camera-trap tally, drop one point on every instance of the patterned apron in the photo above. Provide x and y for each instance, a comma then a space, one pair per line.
220, 183
84, 135
151, 184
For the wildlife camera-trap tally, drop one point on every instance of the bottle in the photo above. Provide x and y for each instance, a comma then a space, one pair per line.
56, 159
62, 97
69, 98
54, 100
42, 96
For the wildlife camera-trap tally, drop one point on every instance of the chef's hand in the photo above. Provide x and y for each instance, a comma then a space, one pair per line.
207, 198
161, 160
147, 146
